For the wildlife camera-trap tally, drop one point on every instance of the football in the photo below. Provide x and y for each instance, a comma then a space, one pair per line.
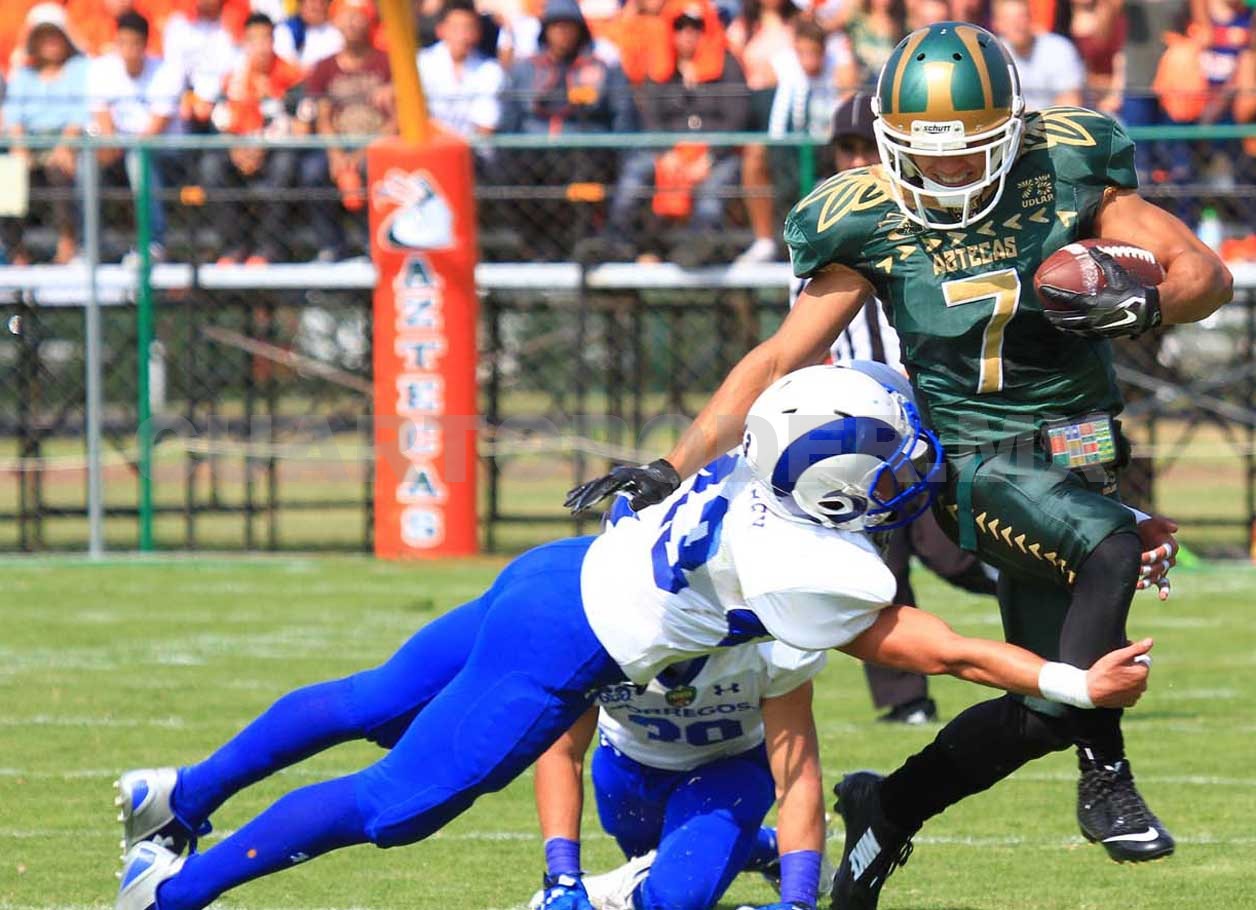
1071, 267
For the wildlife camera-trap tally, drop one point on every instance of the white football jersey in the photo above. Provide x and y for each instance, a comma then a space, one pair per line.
713, 566
703, 709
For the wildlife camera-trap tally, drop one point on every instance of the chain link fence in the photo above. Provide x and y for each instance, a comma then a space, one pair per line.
245, 424
585, 198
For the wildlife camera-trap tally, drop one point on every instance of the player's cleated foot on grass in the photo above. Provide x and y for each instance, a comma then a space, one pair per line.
146, 810
874, 846
145, 867
613, 890
1111, 812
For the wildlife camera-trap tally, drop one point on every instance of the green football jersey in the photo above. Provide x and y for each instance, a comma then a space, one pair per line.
985, 362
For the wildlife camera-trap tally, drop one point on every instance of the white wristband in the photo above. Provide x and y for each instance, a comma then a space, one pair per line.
1064, 683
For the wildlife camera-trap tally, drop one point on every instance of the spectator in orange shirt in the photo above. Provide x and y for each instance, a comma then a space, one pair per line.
640, 33
693, 85
254, 102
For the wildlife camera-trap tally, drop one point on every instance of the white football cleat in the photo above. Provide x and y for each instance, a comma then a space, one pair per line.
145, 867
146, 811
613, 890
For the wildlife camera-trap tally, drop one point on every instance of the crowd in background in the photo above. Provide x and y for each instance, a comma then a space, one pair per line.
282, 68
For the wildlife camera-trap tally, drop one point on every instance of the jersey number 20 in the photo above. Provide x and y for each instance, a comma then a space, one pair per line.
699, 733
1004, 287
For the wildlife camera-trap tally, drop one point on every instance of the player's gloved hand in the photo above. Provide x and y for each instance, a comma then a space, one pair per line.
562, 892
1160, 549
781, 905
1122, 308
647, 483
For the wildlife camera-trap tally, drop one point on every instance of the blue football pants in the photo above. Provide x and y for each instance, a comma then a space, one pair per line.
704, 823
470, 701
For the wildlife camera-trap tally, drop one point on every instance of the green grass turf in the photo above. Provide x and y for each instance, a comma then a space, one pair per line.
132, 663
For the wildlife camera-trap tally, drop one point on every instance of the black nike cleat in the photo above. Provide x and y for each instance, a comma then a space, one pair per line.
874, 847
1111, 812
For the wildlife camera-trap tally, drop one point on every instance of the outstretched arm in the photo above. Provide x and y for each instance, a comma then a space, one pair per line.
906, 638
1196, 281
828, 302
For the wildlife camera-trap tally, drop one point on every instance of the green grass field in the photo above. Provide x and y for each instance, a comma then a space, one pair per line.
106, 667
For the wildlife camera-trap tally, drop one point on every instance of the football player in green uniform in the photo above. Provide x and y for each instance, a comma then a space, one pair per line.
971, 195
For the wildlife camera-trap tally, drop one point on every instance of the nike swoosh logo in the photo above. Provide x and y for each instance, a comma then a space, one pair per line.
1142, 837
1127, 316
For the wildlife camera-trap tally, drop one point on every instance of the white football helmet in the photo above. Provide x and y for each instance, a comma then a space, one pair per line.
837, 447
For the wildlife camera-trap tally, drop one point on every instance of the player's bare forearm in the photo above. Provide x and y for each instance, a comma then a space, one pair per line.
906, 638
794, 756
824, 308
559, 781
1196, 281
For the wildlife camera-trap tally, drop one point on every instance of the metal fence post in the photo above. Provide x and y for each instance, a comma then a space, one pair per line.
91, 249
144, 344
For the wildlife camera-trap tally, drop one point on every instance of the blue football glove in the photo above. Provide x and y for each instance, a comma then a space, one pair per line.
563, 892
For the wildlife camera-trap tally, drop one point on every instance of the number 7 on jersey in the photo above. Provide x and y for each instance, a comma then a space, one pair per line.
1004, 288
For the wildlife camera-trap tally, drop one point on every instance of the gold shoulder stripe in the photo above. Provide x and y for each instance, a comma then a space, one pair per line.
844, 194
1061, 126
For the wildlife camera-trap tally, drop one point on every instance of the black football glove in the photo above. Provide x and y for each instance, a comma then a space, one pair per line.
648, 484
1123, 308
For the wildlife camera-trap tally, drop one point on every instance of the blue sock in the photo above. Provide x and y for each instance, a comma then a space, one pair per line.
800, 877
764, 850
295, 727
304, 824
562, 857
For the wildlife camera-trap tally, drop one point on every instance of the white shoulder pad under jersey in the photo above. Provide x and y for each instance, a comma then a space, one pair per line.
704, 709
712, 566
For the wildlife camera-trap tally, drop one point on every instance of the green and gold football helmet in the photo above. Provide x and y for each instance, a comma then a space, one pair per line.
948, 90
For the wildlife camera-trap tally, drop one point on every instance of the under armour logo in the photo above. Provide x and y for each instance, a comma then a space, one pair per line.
298, 857
731, 689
